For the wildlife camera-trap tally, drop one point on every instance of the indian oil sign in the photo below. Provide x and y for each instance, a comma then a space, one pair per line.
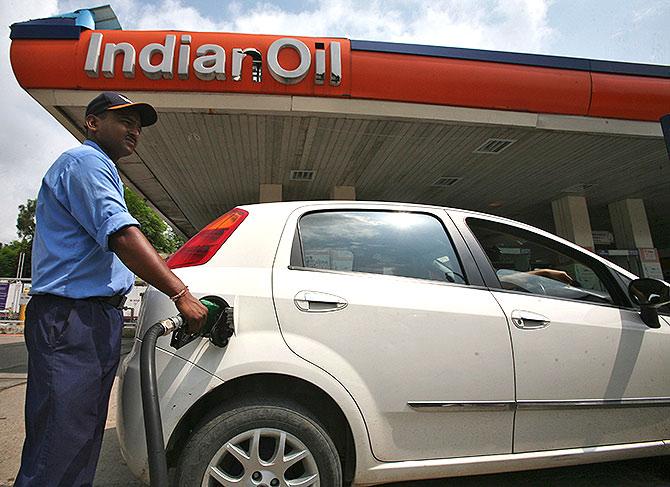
173, 61
158, 60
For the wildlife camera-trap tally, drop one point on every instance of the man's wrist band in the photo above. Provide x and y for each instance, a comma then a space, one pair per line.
176, 297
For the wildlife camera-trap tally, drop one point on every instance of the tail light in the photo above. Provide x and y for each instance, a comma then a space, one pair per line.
207, 241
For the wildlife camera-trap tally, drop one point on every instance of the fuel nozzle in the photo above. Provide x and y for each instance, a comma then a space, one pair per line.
218, 326
214, 311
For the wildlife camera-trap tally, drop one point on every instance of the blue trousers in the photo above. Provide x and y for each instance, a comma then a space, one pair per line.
73, 352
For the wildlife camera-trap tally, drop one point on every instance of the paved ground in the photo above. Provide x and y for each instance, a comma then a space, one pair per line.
112, 471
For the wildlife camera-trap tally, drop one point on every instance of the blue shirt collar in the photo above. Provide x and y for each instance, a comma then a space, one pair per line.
90, 143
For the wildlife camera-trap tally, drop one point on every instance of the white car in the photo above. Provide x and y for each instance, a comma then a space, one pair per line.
381, 342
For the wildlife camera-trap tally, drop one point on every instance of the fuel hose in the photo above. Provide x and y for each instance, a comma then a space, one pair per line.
153, 427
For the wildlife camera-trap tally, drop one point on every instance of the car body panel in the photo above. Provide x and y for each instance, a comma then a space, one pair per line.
248, 353
180, 385
588, 353
491, 464
438, 342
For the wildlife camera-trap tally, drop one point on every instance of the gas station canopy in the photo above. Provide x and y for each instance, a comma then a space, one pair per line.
500, 132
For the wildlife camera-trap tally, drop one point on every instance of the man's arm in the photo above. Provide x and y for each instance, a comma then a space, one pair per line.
554, 274
137, 253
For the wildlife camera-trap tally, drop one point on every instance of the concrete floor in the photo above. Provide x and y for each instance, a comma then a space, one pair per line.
112, 471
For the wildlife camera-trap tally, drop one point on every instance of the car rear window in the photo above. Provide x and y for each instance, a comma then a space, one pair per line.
393, 243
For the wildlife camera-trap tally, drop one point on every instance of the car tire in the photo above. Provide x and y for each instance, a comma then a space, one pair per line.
291, 444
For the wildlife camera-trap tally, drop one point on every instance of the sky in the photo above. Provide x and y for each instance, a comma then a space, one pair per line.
632, 31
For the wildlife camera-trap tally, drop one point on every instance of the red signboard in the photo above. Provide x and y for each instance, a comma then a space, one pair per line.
325, 67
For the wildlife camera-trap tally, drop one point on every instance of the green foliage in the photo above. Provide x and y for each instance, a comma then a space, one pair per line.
175, 241
9, 258
25, 223
154, 228
10, 253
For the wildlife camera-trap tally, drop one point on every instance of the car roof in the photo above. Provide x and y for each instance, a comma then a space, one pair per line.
292, 205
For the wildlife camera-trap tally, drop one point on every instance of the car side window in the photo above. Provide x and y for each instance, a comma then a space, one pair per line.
527, 262
393, 243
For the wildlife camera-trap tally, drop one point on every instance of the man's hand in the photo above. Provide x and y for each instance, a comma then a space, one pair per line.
193, 311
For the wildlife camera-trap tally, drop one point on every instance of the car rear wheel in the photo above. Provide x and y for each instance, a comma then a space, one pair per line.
266, 444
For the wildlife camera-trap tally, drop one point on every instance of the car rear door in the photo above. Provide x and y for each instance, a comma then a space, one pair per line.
384, 299
588, 370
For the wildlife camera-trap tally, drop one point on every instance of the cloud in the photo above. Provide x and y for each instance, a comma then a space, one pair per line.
168, 14
518, 25
646, 12
30, 138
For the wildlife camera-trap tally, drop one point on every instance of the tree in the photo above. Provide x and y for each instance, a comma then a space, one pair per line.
154, 228
25, 223
10, 253
9, 258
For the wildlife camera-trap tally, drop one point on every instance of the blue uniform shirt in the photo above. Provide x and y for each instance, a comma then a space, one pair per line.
80, 204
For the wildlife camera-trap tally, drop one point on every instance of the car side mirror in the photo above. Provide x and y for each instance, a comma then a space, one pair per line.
649, 294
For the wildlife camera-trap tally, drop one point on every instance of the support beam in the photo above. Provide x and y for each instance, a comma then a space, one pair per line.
270, 193
571, 217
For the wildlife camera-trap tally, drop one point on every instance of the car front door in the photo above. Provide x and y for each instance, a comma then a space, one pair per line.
588, 370
381, 300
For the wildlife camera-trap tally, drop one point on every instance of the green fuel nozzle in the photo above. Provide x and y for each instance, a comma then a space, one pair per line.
218, 327
213, 314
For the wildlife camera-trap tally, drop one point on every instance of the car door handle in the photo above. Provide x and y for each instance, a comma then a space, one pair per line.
527, 320
317, 302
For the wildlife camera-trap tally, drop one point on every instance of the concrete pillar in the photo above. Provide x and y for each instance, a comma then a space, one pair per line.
631, 231
571, 217
343, 193
630, 225
270, 193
